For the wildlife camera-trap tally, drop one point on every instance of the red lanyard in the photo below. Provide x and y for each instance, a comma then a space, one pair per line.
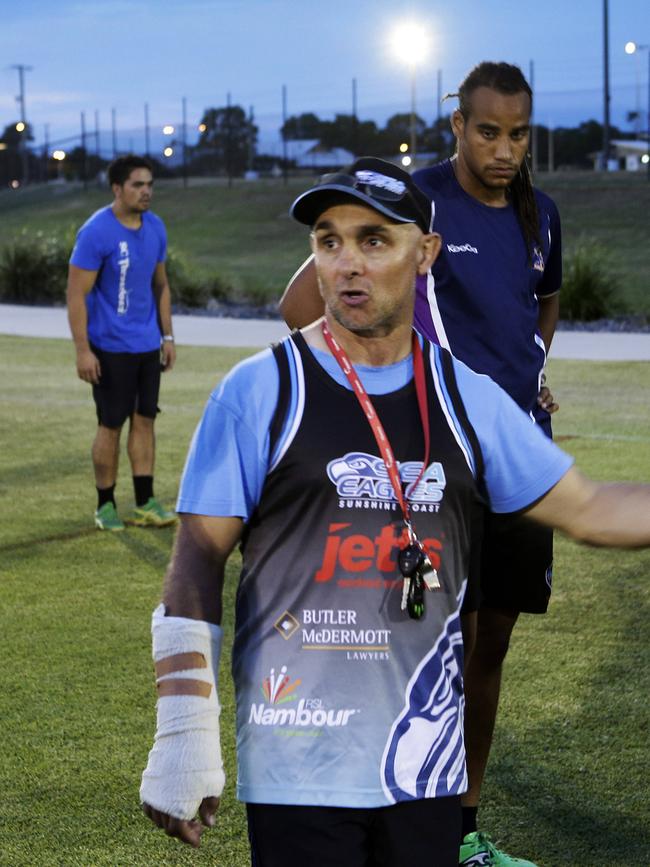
373, 419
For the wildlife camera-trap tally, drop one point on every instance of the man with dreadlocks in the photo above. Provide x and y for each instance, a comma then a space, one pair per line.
492, 299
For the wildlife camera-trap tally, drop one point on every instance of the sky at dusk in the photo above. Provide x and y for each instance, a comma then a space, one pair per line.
98, 55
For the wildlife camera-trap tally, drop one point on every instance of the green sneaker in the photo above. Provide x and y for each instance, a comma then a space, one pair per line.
107, 518
477, 850
152, 514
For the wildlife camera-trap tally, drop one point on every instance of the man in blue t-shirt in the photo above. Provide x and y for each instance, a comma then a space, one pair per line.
346, 462
491, 297
119, 308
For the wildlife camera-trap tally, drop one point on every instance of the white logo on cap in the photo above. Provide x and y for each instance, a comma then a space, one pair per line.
383, 181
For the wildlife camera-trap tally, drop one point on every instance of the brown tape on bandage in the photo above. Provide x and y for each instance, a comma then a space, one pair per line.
183, 686
180, 662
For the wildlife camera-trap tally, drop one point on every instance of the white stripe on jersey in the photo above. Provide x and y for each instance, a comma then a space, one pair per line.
434, 311
442, 400
297, 387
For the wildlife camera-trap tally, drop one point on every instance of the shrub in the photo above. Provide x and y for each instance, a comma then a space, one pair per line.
188, 289
34, 269
589, 288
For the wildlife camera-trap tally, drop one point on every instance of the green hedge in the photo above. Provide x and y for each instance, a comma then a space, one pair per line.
34, 270
590, 289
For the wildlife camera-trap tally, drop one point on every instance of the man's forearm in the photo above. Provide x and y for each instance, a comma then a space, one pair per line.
164, 297
78, 319
612, 515
547, 317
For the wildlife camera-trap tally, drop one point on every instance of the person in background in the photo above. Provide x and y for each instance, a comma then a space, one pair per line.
119, 309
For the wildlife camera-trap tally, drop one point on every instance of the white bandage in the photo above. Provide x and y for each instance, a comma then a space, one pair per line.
184, 764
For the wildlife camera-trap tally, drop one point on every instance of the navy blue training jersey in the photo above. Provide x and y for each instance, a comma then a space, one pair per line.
480, 299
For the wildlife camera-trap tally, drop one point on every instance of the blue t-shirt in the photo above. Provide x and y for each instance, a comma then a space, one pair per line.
122, 309
314, 658
480, 299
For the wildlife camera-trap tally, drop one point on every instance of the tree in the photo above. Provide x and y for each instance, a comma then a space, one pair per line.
228, 140
302, 126
357, 136
398, 130
438, 139
16, 161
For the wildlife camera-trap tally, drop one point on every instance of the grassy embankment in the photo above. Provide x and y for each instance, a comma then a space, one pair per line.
245, 235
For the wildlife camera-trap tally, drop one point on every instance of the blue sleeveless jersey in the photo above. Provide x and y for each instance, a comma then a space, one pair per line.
122, 309
341, 699
480, 299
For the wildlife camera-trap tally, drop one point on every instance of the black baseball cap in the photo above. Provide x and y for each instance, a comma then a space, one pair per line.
377, 183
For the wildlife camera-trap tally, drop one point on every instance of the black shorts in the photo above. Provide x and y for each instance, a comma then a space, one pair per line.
422, 833
515, 567
129, 382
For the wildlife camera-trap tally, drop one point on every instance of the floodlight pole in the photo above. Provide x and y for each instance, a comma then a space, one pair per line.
413, 144
606, 96
20, 99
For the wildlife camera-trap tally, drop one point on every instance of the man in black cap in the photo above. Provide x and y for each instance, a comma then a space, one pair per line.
347, 461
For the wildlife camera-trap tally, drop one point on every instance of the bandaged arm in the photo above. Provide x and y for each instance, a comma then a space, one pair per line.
185, 764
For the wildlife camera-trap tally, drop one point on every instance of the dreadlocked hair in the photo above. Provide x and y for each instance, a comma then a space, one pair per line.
507, 79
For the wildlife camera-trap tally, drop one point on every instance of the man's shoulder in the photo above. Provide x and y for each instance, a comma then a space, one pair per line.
544, 202
434, 179
99, 220
154, 220
248, 377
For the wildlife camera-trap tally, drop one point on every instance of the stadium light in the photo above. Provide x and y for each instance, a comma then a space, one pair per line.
633, 48
168, 129
168, 152
410, 44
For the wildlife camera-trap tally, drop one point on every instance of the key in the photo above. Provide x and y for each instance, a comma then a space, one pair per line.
406, 582
409, 559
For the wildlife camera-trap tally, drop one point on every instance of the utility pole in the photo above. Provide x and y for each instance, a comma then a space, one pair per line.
284, 138
147, 149
114, 132
439, 99
355, 121
20, 99
97, 147
46, 151
184, 141
533, 125
84, 158
606, 96
228, 140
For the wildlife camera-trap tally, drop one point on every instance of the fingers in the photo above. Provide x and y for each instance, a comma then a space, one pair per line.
89, 368
187, 831
207, 811
546, 401
169, 356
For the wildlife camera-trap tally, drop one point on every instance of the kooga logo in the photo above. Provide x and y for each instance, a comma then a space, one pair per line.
462, 248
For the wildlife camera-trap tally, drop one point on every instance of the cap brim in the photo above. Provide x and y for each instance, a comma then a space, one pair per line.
311, 204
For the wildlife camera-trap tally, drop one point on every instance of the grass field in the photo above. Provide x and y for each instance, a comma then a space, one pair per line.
567, 786
244, 233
